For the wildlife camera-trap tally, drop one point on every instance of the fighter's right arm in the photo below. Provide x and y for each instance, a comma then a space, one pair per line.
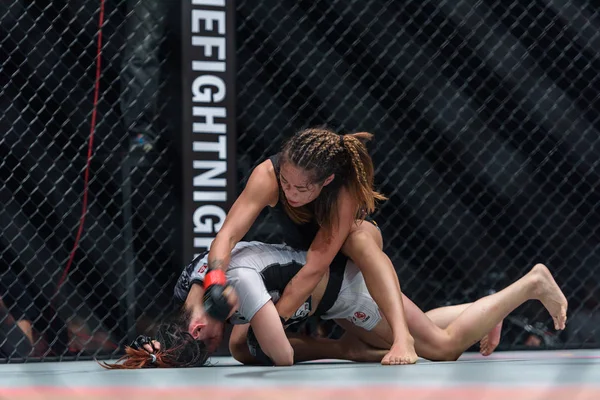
260, 191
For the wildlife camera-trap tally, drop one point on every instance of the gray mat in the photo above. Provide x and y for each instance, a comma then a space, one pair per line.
568, 375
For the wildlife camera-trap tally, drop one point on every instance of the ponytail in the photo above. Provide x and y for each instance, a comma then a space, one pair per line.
361, 180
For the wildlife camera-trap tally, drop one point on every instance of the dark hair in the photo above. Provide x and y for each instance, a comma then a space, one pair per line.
178, 349
322, 152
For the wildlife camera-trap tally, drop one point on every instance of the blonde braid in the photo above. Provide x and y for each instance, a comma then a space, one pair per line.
320, 147
356, 160
333, 146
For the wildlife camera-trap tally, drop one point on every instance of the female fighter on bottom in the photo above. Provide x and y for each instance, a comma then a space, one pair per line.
259, 272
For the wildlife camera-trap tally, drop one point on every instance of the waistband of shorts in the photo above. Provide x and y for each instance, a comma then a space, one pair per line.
336, 277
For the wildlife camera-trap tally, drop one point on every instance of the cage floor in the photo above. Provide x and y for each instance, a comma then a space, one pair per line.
548, 375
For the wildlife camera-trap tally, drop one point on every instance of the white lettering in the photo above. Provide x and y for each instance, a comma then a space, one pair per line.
209, 18
209, 43
215, 168
206, 82
209, 114
203, 214
221, 146
209, 90
212, 66
216, 3
210, 196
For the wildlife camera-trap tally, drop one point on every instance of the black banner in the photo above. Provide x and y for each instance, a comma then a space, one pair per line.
209, 137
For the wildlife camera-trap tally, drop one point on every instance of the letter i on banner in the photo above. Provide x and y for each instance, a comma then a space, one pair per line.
209, 130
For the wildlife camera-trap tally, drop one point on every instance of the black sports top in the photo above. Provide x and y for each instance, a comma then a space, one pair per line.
298, 236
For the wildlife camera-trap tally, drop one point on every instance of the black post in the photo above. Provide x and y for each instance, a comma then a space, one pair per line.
208, 120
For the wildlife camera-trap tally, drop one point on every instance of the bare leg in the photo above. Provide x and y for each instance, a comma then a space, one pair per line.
443, 316
363, 246
475, 321
485, 313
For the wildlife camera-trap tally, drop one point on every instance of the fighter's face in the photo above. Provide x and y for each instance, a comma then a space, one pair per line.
208, 331
297, 186
202, 326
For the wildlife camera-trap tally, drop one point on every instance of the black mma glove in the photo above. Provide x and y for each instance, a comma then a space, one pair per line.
215, 302
140, 341
255, 349
297, 318
291, 321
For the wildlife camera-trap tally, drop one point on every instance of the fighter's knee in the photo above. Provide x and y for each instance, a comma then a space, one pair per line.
445, 348
234, 350
358, 244
447, 355
239, 351
359, 236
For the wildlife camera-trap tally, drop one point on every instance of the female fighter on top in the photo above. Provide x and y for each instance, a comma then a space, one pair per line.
320, 188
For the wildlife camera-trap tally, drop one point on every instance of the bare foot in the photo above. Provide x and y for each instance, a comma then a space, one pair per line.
401, 353
488, 344
548, 292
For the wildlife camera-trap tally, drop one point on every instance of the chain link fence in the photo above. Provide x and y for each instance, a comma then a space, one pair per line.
485, 117
87, 239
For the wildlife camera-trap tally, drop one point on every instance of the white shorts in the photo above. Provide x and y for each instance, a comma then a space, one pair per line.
354, 302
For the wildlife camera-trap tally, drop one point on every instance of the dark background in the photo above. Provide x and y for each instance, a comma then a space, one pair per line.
485, 117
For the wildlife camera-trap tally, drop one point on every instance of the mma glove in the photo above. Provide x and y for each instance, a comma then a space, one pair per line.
140, 341
215, 302
291, 321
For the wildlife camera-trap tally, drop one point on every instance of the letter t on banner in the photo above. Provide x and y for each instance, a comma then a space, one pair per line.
208, 124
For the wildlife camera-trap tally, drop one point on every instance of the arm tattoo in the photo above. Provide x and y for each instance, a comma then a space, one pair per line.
215, 264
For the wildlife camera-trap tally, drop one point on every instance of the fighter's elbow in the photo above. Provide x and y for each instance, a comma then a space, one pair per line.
284, 358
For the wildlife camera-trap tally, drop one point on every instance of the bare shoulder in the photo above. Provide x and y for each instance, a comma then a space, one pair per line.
263, 182
264, 175
265, 167
346, 203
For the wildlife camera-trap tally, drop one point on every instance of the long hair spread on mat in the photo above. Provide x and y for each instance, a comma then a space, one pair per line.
178, 349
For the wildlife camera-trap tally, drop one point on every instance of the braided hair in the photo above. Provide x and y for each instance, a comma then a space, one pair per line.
178, 349
322, 152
